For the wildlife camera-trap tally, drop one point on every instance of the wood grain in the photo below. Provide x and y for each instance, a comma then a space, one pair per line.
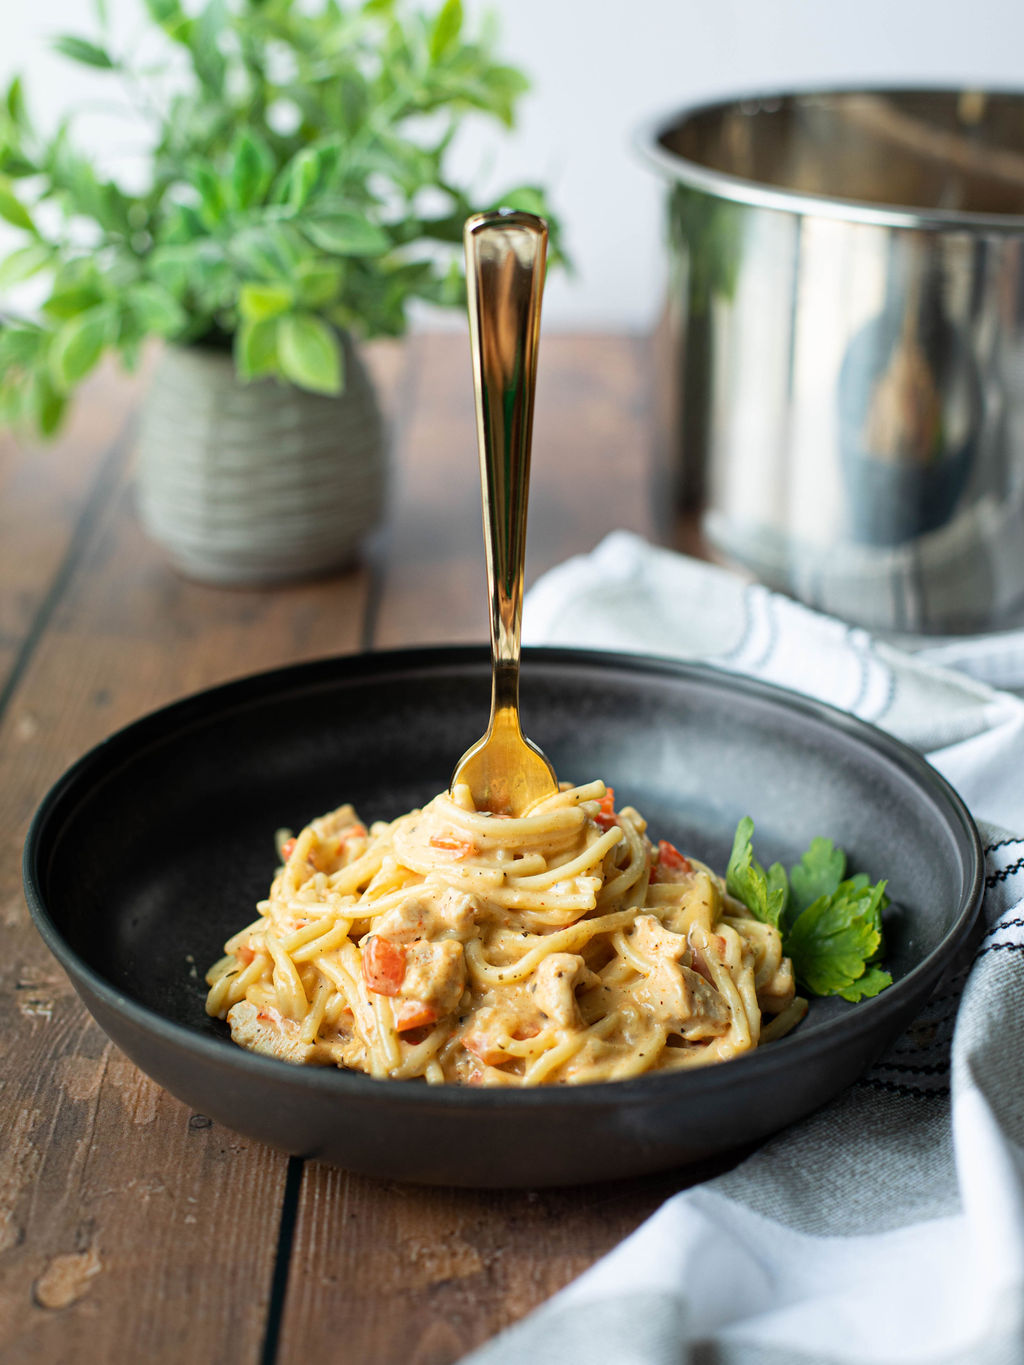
130, 1227
44, 500
394, 1273
118, 1204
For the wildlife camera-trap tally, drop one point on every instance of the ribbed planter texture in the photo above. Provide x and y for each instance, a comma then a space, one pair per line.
248, 484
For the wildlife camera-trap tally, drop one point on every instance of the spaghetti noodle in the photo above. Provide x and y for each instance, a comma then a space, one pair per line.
460, 946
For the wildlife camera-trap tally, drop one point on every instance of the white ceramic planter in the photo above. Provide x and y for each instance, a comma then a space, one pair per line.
246, 484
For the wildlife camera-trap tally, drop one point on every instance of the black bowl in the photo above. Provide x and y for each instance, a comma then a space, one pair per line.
155, 846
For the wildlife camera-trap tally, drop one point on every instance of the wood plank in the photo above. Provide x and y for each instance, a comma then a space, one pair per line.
43, 488
117, 1204
392, 1273
397, 1274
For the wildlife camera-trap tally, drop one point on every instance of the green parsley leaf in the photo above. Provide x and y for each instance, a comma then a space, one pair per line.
818, 873
831, 927
833, 940
871, 983
763, 893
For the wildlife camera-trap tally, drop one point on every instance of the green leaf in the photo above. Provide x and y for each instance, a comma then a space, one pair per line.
13, 210
211, 192
15, 166
818, 873
831, 929
256, 349
46, 405
20, 345
251, 171
271, 252
318, 285
156, 310
205, 46
212, 284
872, 983
346, 234
526, 198
173, 266
302, 176
82, 50
183, 225
763, 893
446, 29
257, 302
309, 353
309, 170
353, 94
832, 941
24, 263
778, 888
15, 102
446, 229
166, 13
77, 347
68, 300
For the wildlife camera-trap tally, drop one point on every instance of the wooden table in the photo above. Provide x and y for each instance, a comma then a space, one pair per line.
130, 1228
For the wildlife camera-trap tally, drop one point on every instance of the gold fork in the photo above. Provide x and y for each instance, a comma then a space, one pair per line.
505, 256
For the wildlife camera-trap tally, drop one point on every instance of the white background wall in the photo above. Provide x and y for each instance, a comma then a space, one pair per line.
601, 68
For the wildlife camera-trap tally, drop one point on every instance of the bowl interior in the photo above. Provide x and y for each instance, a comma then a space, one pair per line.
158, 845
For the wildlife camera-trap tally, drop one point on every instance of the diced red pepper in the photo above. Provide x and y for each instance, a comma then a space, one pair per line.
287, 849
606, 817
481, 1046
414, 1014
383, 965
451, 843
671, 863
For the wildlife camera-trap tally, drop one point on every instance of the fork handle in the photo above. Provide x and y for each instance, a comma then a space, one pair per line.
505, 260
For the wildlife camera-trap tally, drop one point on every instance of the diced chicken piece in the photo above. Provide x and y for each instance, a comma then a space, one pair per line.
330, 826
684, 1002
428, 914
554, 985
267, 1032
775, 995
651, 939
413, 919
490, 1024
435, 974
457, 912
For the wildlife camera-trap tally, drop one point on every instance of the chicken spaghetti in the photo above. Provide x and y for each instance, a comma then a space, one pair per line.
460, 946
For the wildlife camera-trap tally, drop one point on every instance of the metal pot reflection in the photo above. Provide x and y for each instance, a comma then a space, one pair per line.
910, 411
845, 331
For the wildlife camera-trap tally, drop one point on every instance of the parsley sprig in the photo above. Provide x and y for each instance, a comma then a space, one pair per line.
831, 924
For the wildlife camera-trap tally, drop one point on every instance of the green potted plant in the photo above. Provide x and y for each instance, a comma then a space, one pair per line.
296, 199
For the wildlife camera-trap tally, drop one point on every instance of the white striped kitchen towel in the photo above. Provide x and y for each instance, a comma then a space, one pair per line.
888, 1228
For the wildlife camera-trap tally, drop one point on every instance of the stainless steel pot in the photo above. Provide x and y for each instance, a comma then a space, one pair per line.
845, 327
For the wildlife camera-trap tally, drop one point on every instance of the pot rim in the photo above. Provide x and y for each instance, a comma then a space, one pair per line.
647, 140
